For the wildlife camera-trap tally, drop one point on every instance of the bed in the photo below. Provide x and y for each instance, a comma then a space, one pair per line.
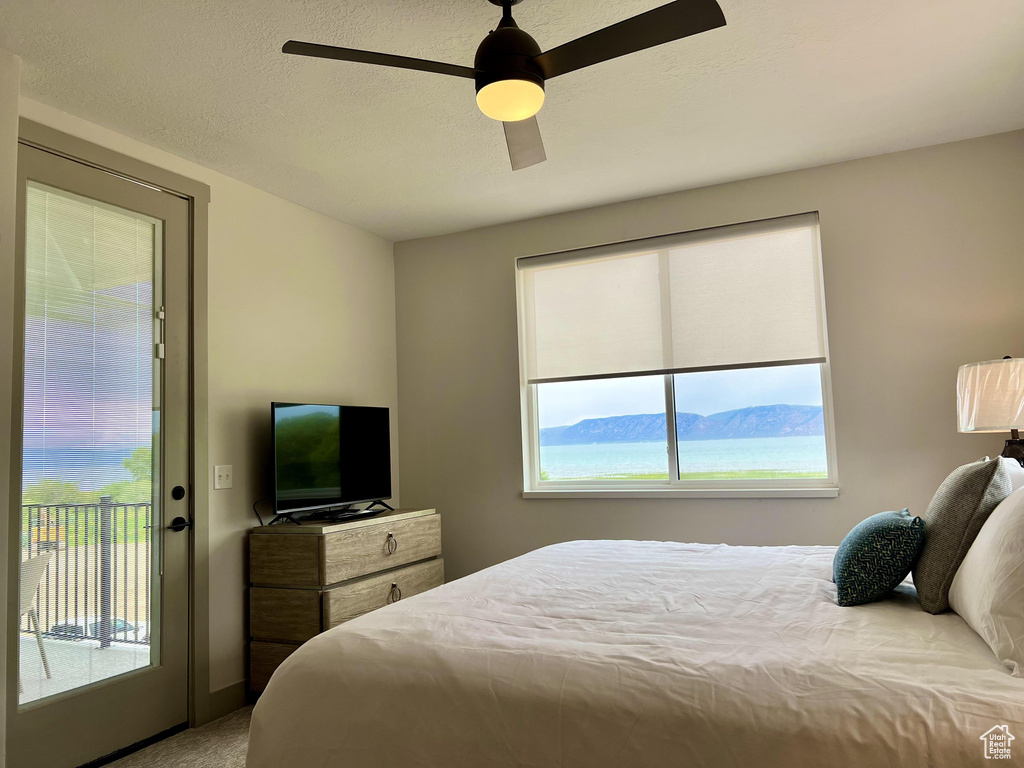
594, 654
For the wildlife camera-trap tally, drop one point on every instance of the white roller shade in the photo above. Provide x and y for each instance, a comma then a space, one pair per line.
600, 316
740, 296
746, 300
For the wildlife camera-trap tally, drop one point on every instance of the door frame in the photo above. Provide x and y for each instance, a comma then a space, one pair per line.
197, 195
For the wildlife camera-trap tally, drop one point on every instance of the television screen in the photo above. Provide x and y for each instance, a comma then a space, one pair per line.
365, 453
326, 455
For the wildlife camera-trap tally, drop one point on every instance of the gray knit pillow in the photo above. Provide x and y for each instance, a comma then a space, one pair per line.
957, 511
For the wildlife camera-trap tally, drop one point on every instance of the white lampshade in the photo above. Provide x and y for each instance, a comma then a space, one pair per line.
990, 395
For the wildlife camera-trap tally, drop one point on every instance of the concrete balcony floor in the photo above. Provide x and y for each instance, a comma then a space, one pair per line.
73, 663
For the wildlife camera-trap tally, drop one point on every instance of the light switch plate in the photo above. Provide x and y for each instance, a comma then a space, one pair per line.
222, 477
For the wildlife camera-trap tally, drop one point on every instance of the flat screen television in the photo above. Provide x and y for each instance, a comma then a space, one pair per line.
329, 456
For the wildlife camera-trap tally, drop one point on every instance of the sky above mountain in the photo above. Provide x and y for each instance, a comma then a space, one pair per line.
567, 403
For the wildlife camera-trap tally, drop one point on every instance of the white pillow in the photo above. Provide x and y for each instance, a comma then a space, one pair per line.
1016, 472
988, 589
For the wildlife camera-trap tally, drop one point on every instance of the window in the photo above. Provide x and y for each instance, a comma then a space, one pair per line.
714, 337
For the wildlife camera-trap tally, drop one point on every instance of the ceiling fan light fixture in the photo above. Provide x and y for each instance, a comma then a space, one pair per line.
509, 84
510, 70
510, 100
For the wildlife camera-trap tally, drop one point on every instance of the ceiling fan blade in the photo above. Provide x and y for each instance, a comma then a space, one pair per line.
661, 25
525, 146
370, 57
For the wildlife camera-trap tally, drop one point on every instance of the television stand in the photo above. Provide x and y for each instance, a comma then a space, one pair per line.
310, 577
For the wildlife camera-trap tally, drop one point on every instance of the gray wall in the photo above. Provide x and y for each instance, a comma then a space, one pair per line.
923, 252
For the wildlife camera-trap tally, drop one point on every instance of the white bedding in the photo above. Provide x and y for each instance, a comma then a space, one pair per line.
595, 654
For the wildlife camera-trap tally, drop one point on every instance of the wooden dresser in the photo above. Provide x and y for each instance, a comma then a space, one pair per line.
305, 579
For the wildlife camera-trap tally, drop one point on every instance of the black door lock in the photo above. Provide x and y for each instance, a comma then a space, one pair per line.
179, 524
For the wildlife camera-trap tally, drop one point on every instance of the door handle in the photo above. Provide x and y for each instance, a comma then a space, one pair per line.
179, 524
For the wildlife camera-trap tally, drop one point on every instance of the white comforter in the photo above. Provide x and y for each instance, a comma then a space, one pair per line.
595, 654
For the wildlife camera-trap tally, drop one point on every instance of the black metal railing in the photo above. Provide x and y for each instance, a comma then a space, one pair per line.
96, 584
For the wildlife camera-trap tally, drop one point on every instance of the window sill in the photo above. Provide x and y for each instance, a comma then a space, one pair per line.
684, 493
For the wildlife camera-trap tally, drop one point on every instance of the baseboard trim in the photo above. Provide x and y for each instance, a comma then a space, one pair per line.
133, 748
227, 699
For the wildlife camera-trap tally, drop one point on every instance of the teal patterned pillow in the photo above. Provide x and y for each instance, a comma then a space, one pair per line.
876, 556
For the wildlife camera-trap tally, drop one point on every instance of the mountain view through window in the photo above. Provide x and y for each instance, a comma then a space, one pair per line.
746, 424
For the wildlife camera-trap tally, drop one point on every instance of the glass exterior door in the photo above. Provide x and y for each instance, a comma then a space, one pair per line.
91, 422
101, 623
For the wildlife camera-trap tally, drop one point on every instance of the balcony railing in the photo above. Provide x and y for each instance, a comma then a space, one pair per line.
97, 583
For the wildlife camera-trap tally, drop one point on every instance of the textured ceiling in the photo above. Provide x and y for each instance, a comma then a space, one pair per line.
787, 84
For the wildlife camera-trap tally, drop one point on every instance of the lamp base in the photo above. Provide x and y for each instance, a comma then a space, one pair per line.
1014, 449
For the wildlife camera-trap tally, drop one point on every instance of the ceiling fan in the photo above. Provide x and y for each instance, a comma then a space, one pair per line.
510, 70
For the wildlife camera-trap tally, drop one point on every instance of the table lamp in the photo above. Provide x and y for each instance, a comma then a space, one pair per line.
990, 398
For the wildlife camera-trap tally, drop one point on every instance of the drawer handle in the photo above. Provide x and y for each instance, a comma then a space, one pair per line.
391, 544
396, 593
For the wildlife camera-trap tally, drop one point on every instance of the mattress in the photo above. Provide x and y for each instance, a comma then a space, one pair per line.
593, 654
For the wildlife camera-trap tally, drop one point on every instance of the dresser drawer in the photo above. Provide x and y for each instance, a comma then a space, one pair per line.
293, 560
373, 548
347, 601
264, 658
291, 615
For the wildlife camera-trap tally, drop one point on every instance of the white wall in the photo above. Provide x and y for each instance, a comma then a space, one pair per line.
923, 255
10, 78
301, 308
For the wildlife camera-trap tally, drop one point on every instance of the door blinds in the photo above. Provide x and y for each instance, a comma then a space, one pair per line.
88, 336
748, 295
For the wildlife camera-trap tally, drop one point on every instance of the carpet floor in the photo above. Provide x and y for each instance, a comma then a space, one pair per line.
220, 744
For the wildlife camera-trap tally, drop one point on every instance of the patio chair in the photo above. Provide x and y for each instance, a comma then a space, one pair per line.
32, 571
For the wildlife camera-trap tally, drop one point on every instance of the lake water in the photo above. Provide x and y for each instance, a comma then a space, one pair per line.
89, 467
781, 454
